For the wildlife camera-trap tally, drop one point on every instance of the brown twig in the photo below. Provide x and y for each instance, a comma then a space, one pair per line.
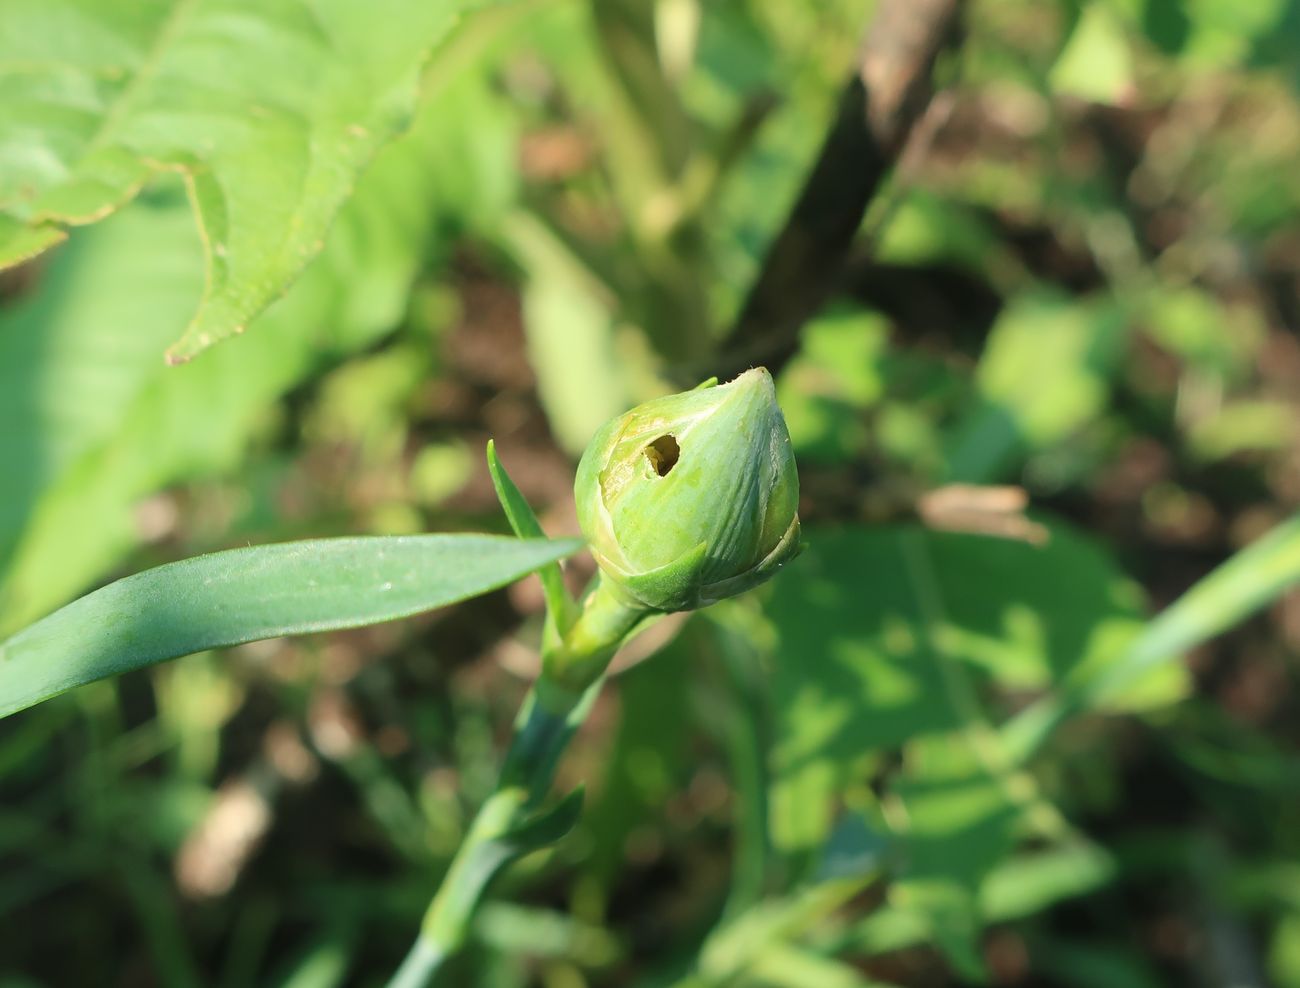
878, 111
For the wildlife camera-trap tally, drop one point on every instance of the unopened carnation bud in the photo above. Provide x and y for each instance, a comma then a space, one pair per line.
693, 497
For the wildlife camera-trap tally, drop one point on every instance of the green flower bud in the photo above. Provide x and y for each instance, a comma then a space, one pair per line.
693, 497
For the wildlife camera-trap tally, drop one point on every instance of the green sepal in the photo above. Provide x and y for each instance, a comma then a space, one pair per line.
548, 827
672, 587
787, 549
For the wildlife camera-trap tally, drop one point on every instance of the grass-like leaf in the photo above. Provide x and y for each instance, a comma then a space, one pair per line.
524, 523
269, 108
227, 598
1248, 581
1230, 594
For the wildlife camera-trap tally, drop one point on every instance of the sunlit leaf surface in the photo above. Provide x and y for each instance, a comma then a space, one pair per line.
242, 595
268, 108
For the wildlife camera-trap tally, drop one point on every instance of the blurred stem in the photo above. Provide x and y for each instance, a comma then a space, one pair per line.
880, 106
508, 824
627, 37
648, 140
743, 733
475, 33
701, 181
542, 730
741, 945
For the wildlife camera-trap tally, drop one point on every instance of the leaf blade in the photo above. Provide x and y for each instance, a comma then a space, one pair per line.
269, 109
242, 595
524, 523
101, 423
1229, 594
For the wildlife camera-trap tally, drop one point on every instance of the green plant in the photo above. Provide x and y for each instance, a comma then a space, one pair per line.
713, 498
1024, 710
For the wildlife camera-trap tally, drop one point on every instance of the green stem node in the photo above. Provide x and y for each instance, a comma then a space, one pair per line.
510, 824
608, 619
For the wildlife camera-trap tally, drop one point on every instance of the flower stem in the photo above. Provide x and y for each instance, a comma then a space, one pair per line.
509, 824
607, 620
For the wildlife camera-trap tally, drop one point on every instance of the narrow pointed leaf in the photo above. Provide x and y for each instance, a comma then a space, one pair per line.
1252, 578
242, 595
447, 923
524, 523
1248, 581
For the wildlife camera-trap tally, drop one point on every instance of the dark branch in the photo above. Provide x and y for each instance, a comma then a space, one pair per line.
877, 112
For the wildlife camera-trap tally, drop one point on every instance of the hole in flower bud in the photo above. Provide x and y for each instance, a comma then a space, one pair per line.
663, 454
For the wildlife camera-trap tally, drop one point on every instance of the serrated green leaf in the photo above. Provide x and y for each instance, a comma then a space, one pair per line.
242, 595
268, 108
99, 422
20, 241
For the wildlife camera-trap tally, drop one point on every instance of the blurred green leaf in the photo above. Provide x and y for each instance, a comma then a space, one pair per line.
363, 403
740, 944
1250, 579
647, 758
543, 933
1096, 64
243, 595
440, 470
270, 110
877, 643
76, 352
570, 337
1245, 426
1030, 883
865, 633
1210, 335
1226, 34
1044, 374
1165, 23
838, 374
1012, 889
1284, 951
957, 829
323, 965
926, 228
98, 422
1091, 965
785, 966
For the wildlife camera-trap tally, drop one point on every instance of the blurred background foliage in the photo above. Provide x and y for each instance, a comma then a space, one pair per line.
1082, 281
